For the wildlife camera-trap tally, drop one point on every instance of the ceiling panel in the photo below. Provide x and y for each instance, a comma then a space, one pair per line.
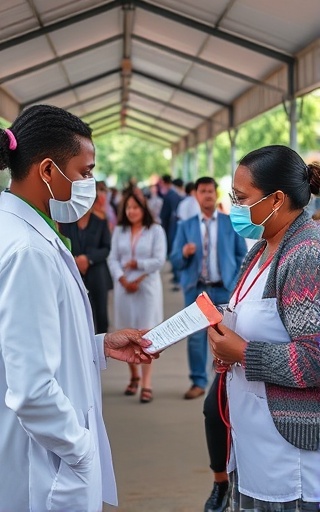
157, 86
100, 86
213, 84
158, 63
94, 62
151, 87
16, 17
25, 55
34, 85
50, 10
287, 26
203, 10
97, 103
204, 108
167, 32
237, 58
87, 32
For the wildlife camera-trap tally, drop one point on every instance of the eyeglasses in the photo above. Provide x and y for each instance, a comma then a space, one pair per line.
233, 199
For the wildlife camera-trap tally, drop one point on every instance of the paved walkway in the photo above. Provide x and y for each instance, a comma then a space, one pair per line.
159, 449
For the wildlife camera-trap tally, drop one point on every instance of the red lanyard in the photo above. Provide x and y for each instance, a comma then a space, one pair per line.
247, 272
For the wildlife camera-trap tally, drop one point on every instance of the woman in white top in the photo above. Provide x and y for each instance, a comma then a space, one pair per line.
138, 252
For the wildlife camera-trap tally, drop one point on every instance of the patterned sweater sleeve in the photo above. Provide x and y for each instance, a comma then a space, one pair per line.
297, 286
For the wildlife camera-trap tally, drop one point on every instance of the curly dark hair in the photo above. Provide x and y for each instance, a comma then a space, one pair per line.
41, 131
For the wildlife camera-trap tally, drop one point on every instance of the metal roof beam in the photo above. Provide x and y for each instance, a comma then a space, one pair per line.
60, 24
99, 110
128, 132
72, 87
145, 123
93, 98
205, 63
148, 133
169, 105
146, 136
59, 59
105, 132
214, 32
160, 119
192, 92
163, 119
105, 126
126, 64
103, 118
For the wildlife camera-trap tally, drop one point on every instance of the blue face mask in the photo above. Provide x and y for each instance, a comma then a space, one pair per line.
240, 217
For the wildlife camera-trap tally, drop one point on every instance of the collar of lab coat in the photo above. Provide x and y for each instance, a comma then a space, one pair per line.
13, 204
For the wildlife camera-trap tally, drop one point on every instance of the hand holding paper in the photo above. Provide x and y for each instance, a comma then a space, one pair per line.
199, 315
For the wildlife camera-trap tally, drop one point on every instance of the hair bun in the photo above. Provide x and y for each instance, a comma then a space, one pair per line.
314, 177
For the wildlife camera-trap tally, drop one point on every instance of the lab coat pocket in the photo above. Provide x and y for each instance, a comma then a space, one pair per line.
77, 487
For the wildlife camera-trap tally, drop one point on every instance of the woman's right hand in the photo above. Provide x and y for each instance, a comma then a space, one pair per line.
130, 287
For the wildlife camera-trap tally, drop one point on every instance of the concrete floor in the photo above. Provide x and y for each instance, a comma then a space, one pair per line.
159, 449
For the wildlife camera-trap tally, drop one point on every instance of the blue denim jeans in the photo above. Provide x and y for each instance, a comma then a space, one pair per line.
197, 343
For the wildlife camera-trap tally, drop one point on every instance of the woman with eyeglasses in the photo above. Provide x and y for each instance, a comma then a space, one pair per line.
269, 340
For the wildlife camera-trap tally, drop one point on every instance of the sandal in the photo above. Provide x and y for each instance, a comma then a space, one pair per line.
146, 395
132, 387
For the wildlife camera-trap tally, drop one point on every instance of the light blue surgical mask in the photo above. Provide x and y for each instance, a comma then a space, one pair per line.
240, 216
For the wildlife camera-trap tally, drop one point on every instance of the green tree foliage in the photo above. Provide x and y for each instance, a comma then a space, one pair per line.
125, 156
271, 128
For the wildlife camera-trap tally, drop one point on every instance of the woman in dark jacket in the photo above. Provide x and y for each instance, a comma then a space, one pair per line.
91, 240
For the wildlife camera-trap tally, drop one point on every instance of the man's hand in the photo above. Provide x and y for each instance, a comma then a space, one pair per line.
82, 263
127, 345
189, 249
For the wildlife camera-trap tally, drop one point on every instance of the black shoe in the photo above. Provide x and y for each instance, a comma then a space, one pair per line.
219, 498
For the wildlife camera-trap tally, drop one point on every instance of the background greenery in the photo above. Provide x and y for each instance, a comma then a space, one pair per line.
122, 156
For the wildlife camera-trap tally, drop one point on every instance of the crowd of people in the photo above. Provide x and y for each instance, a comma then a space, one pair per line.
68, 240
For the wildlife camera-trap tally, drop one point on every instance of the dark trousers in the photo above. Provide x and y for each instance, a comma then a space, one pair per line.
216, 431
99, 305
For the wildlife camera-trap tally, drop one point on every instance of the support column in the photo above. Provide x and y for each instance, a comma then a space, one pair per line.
293, 124
195, 173
209, 155
292, 109
233, 136
174, 166
185, 166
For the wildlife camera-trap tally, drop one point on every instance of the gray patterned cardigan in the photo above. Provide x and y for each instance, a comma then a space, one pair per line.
291, 371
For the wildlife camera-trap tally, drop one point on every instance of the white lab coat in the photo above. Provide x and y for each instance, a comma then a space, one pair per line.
54, 450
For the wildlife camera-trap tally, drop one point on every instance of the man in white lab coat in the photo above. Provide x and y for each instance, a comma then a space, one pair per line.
54, 450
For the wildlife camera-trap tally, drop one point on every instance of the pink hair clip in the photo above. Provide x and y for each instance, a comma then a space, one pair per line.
12, 140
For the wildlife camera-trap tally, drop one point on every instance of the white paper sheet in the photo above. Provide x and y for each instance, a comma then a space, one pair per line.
177, 327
